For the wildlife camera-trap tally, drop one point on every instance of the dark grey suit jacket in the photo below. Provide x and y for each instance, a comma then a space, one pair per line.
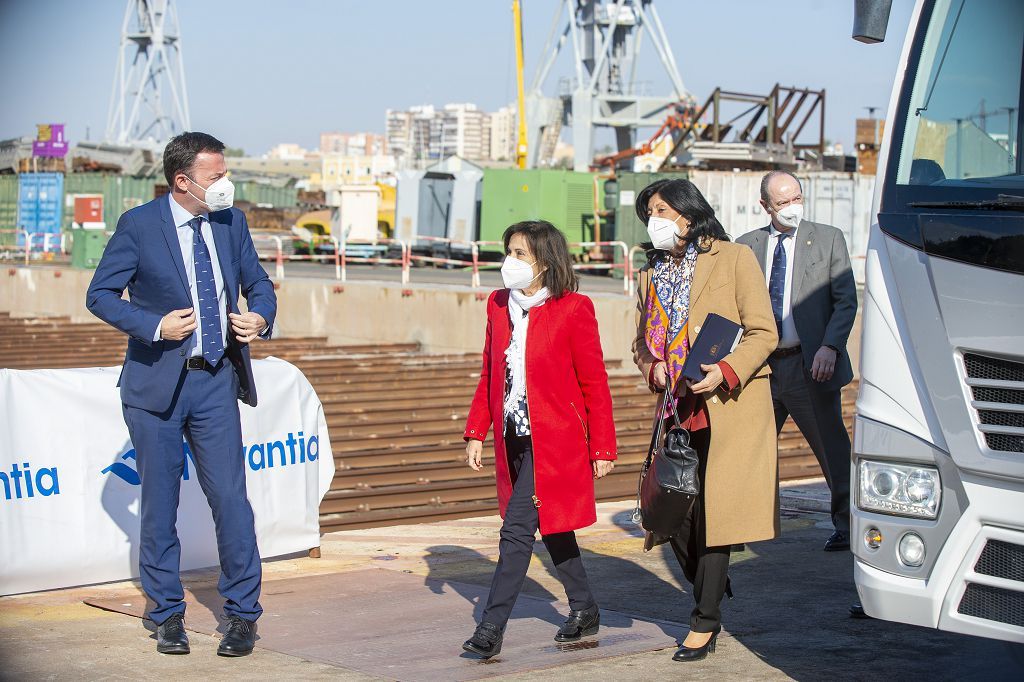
824, 296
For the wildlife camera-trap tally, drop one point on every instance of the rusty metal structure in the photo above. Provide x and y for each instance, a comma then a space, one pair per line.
768, 133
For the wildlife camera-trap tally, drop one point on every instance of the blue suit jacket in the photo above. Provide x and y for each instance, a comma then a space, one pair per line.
144, 257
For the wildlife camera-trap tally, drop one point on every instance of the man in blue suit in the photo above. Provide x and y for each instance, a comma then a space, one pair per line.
184, 258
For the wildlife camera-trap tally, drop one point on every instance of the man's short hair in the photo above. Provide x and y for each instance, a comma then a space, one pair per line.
181, 152
774, 174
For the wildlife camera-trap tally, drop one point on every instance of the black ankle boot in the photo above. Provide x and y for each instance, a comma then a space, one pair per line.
580, 624
485, 642
686, 654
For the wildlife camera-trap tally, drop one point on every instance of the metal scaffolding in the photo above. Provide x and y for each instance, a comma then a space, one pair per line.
149, 66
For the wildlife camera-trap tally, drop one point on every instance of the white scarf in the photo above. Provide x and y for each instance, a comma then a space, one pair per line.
515, 355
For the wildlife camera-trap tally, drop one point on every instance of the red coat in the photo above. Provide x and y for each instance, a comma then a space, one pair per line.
570, 406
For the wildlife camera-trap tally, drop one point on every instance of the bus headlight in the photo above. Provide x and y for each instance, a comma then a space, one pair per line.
899, 489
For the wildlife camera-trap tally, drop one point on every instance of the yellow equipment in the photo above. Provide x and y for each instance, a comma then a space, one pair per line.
517, 22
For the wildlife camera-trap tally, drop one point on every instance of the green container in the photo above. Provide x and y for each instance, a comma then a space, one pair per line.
266, 195
8, 209
120, 193
622, 192
564, 198
87, 248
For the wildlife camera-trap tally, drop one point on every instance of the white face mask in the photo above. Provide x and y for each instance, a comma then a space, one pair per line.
790, 216
219, 195
517, 274
662, 232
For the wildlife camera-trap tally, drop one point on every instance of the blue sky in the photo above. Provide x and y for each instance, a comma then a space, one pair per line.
262, 72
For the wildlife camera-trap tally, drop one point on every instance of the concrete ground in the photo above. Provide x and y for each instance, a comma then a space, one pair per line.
789, 619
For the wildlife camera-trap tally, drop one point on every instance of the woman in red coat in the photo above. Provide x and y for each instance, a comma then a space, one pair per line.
544, 389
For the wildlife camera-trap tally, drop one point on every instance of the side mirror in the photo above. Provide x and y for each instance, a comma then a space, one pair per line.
870, 19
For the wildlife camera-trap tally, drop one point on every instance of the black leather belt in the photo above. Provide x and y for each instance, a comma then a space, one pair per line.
785, 352
198, 362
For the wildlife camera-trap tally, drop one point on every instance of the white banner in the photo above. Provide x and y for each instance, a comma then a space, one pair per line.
69, 490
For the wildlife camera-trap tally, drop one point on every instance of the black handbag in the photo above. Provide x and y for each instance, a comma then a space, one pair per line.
669, 482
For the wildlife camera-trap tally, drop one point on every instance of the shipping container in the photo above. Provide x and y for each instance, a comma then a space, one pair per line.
8, 209
839, 199
120, 193
266, 195
564, 198
40, 206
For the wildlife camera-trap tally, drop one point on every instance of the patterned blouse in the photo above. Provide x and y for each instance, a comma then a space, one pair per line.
520, 416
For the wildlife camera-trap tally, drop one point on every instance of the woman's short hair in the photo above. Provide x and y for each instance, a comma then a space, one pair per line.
686, 200
551, 249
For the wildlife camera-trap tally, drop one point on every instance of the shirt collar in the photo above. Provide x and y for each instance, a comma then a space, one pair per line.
180, 215
774, 232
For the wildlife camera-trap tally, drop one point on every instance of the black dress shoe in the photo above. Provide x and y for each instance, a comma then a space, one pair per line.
485, 642
171, 637
838, 542
580, 624
240, 638
857, 610
686, 654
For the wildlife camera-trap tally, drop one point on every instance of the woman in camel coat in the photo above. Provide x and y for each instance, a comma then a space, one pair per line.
697, 271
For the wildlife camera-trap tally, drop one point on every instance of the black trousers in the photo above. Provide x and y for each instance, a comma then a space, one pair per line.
707, 568
516, 545
818, 413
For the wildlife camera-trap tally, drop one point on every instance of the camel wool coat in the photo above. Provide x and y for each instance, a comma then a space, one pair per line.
741, 486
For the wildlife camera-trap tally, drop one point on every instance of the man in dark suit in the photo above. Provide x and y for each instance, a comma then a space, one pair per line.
184, 258
814, 298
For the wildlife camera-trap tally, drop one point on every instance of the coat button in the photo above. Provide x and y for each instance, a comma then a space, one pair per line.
697, 329
714, 398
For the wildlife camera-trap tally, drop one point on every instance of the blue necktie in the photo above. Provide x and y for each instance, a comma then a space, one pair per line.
777, 282
206, 285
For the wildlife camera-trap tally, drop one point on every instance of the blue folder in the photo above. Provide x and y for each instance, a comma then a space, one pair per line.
716, 339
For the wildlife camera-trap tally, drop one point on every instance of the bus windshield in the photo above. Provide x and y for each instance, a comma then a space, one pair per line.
962, 123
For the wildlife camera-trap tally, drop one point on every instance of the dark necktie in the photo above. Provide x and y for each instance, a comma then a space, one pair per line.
777, 282
207, 305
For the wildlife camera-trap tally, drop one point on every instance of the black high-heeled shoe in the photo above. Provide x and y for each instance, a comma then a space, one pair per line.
686, 654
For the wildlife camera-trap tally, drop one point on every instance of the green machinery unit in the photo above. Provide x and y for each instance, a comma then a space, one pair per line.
87, 247
564, 198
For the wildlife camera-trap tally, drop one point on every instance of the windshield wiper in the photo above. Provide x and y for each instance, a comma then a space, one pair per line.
1004, 202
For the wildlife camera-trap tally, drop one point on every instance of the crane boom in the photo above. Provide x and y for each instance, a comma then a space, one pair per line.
517, 22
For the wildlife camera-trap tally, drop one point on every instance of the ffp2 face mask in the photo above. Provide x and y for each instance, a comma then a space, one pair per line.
517, 274
219, 196
663, 232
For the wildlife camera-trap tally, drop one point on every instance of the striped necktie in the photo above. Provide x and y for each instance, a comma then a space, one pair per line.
206, 285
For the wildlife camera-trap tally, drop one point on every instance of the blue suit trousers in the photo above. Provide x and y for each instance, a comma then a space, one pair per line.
205, 411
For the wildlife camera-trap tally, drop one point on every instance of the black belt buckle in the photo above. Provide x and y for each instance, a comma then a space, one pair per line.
195, 363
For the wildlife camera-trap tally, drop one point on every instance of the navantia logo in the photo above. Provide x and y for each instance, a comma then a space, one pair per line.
262, 455
21, 482
294, 449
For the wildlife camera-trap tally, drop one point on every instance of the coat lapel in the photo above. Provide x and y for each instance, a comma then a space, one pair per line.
802, 255
702, 273
761, 247
223, 243
171, 236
